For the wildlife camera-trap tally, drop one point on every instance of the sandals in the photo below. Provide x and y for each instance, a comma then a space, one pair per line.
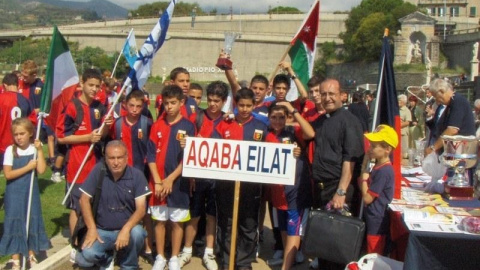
32, 261
15, 264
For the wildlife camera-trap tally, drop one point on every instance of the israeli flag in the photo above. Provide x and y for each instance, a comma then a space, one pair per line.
142, 67
130, 49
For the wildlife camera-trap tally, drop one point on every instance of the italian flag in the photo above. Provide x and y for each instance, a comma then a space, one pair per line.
61, 72
304, 45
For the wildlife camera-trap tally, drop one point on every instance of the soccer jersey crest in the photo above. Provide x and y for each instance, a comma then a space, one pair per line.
140, 134
192, 108
37, 90
258, 134
181, 134
286, 140
96, 112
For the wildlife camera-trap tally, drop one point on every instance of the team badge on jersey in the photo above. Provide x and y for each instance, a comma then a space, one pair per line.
37, 90
140, 133
192, 108
181, 134
286, 140
258, 134
96, 112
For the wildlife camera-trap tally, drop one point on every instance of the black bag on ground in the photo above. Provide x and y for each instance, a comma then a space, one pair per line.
80, 231
333, 237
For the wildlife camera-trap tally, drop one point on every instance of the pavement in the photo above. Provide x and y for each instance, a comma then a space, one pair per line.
57, 258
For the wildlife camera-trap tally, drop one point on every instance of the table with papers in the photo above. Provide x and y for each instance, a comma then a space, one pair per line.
426, 231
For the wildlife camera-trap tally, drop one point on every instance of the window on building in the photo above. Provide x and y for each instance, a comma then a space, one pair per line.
473, 11
441, 12
432, 11
454, 11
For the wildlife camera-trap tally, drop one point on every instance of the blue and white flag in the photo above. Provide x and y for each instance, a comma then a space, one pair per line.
142, 67
130, 49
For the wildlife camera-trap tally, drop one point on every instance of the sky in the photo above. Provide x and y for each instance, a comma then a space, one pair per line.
250, 6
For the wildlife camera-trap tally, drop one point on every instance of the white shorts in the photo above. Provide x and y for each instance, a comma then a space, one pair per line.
164, 213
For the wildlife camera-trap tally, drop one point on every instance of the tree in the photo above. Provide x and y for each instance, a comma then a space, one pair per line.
284, 10
328, 53
153, 9
387, 11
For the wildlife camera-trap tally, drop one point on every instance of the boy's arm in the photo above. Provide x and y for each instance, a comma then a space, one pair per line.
301, 89
157, 181
230, 76
363, 184
92, 137
170, 179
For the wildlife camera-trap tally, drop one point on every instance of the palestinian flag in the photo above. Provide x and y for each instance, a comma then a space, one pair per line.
61, 72
304, 45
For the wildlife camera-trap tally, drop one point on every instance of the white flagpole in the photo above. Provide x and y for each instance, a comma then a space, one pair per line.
30, 192
120, 55
110, 111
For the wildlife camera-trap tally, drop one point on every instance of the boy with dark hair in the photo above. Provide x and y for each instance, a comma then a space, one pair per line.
164, 155
77, 127
243, 127
29, 85
12, 105
203, 190
196, 92
377, 187
181, 77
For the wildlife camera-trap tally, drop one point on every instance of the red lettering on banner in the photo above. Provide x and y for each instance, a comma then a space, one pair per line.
226, 149
192, 155
236, 158
204, 162
214, 158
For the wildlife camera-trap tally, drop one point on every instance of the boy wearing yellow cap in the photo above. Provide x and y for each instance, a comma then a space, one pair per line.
377, 187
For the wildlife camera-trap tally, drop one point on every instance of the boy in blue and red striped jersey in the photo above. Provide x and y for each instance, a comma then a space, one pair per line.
12, 105
181, 77
243, 127
170, 200
203, 190
29, 85
290, 202
79, 132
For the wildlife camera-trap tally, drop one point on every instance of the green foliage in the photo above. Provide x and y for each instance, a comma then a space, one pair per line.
38, 50
153, 9
328, 52
284, 10
366, 23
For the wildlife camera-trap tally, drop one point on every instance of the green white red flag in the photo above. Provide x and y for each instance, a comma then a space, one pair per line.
61, 72
304, 45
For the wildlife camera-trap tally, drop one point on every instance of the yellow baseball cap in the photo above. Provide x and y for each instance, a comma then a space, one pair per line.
384, 133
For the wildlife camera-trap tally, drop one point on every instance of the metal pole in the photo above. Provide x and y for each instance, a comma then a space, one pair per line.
444, 19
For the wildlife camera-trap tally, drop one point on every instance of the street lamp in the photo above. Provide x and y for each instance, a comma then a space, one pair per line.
444, 19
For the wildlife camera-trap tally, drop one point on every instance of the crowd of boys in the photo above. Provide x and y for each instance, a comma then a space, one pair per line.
155, 148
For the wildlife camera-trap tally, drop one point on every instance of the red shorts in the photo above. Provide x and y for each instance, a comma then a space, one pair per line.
376, 243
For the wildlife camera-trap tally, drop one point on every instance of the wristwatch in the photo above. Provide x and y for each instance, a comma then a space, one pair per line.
341, 192
294, 111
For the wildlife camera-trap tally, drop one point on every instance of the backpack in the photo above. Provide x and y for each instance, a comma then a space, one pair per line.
80, 114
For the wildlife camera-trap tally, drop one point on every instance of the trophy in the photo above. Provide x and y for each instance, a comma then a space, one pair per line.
225, 63
460, 154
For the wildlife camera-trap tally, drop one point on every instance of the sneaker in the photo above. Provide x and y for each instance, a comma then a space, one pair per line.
148, 258
32, 261
184, 258
73, 253
275, 262
111, 266
15, 264
160, 263
209, 262
278, 254
314, 264
299, 258
174, 264
56, 177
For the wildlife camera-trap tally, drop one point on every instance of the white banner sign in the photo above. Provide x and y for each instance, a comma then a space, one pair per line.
247, 161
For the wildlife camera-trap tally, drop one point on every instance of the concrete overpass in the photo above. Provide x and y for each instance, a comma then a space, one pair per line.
263, 40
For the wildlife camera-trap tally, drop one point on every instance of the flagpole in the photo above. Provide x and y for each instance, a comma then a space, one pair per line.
277, 67
367, 162
120, 55
30, 192
99, 131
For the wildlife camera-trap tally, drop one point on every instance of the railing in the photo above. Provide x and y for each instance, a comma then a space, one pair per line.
442, 2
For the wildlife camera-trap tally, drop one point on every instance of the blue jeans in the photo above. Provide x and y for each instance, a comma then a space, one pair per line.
102, 254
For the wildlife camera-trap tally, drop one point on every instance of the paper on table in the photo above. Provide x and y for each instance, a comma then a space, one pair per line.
428, 227
424, 216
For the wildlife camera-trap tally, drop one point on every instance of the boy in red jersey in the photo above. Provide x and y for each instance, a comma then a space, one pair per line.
79, 132
29, 85
12, 105
203, 190
243, 127
170, 200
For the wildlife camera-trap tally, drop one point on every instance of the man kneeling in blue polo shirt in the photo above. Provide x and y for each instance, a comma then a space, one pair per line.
122, 206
